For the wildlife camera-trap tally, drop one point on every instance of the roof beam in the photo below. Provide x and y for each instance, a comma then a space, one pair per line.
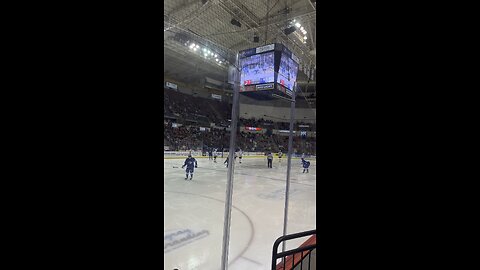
311, 4
247, 12
183, 6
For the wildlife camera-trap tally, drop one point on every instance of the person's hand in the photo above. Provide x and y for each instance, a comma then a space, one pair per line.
183, 166
195, 166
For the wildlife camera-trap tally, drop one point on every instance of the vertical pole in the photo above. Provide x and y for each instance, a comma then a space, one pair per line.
231, 164
266, 24
289, 163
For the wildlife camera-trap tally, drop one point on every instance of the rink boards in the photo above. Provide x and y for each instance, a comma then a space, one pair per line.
195, 154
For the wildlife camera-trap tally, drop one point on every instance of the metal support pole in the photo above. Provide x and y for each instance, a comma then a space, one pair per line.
266, 27
231, 164
289, 163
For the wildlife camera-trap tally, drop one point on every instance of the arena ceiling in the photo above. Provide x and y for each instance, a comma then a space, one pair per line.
207, 24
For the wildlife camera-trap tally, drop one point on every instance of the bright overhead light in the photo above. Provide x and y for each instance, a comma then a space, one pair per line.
216, 60
304, 37
298, 25
301, 28
195, 49
197, 46
216, 55
220, 62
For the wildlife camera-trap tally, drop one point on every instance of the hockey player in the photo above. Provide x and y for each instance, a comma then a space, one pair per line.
234, 159
280, 154
190, 162
240, 153
269, 159
210, 154
226, 162
215, 155
306, 164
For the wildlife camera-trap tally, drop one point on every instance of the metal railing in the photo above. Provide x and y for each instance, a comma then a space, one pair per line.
305, 251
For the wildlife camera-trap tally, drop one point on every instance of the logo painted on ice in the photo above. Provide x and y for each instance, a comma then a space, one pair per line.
174, 239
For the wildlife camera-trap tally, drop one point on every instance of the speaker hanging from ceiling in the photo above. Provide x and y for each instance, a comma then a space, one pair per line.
236, 23
290, 30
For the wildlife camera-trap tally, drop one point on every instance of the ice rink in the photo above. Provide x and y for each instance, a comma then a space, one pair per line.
194, 211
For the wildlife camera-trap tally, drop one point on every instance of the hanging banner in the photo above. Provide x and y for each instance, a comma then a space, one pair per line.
214, 96
171, 85
213, 81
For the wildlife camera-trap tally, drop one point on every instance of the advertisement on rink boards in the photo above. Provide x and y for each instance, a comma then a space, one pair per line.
198, 154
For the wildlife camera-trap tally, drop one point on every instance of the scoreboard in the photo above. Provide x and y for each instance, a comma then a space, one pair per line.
268, 70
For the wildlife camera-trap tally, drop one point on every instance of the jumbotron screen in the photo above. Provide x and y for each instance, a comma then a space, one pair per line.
287, 73
257, 69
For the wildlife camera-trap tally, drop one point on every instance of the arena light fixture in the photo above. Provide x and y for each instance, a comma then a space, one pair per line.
304, 37
298, 25
301, 28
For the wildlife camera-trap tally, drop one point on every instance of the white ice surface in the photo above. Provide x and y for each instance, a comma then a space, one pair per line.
194, 212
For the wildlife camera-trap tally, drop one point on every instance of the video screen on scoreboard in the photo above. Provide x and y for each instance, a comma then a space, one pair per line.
287, 72
257, 69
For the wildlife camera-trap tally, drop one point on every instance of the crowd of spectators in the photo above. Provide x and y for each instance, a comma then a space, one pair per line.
192, 138
195, 109
201, 112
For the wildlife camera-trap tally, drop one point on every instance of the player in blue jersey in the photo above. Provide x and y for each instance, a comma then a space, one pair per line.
306, 164
191, 163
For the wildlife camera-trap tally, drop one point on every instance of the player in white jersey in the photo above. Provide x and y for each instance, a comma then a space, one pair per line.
280, 155
240, 153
